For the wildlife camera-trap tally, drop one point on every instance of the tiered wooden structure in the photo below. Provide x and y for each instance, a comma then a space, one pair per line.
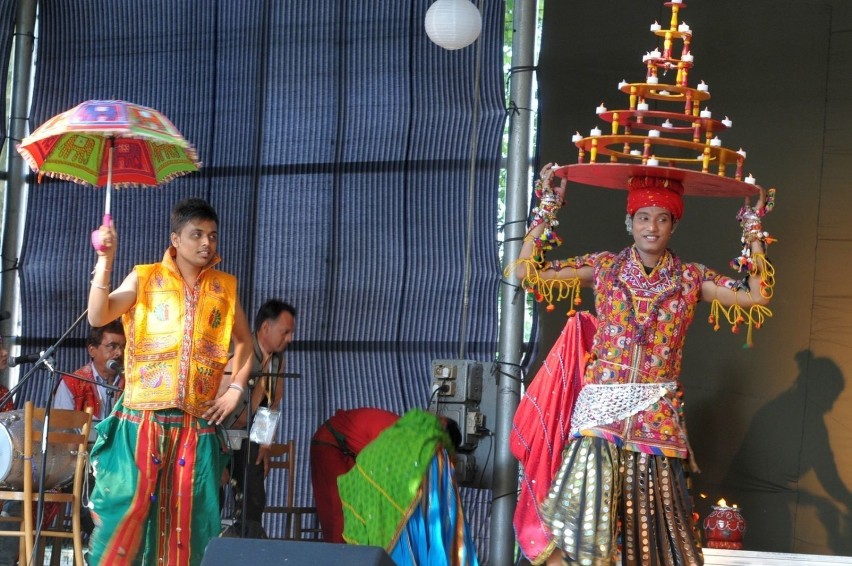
679, 142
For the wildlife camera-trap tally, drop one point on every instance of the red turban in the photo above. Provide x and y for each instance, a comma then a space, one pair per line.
655, 191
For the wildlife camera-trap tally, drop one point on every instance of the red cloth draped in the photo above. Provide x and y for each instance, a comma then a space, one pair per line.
541, 427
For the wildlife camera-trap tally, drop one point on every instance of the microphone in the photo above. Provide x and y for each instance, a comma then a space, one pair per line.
115, 366
24, 359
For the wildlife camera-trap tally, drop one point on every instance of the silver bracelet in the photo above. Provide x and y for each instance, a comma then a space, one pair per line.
96, 286
237, 387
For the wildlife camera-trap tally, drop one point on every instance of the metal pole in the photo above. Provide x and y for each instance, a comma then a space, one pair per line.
15, 201
505, 482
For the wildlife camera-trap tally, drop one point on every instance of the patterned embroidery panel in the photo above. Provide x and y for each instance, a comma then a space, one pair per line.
181, 338
160, 319
643, 323
213, 312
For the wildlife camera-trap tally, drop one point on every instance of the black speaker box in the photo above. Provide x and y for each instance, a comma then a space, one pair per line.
226, 551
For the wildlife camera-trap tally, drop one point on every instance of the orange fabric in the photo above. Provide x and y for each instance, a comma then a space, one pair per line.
177, 341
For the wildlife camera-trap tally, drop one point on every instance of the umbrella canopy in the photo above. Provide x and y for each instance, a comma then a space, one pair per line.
75, 145
109, 143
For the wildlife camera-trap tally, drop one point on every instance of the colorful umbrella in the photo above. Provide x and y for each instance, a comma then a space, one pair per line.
109, 143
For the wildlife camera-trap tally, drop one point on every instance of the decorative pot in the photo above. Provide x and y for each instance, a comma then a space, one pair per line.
724, 528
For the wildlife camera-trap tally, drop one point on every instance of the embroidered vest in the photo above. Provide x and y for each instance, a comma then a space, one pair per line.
85, 394
177, 340
639, 340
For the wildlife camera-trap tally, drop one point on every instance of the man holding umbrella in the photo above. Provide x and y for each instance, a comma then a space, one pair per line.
158, 458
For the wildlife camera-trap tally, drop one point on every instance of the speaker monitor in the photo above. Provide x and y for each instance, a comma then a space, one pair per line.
226, 551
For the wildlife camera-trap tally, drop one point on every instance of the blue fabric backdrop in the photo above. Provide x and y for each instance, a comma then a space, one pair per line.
335, 138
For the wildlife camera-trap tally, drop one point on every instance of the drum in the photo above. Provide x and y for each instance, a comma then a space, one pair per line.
59, 462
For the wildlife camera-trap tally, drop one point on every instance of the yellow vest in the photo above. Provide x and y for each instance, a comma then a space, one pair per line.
177, 343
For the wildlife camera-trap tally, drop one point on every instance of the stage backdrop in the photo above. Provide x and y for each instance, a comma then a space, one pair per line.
335, 139
771, 426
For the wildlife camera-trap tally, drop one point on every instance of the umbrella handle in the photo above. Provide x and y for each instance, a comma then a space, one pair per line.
96, 235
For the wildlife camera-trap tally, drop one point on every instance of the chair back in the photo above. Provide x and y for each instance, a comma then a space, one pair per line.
65, 430
283, 457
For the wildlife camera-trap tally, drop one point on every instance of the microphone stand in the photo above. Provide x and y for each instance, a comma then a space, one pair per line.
46, 354
247, 452
54, 385
45, 359
252, 381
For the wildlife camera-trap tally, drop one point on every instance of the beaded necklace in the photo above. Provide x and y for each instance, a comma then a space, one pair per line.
643, 329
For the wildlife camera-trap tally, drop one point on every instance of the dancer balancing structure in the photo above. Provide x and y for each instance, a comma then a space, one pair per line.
620, 492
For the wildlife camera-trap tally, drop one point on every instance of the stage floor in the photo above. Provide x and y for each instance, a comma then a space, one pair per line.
713, 557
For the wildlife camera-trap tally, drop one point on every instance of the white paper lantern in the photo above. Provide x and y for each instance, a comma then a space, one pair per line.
453, 24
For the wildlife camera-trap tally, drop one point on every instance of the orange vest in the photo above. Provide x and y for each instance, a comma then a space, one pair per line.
177, 341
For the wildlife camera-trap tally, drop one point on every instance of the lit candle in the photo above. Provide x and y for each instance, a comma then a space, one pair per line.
750, 180
642, 107
652, 80
727, 122
703, 87
654, 133
742, 153
715, 142
652, 161
595, 132
622, 85
667, 124
683, 28
686, 58
705, 114
576, 137
655, 27
600, 109
677, 1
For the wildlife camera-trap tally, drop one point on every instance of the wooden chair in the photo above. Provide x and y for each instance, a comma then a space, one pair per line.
67, 435
283, 458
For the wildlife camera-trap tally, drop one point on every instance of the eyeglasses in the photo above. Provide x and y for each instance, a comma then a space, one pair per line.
112, 346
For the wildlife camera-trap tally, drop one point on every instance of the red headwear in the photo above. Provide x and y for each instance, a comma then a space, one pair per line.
655, 191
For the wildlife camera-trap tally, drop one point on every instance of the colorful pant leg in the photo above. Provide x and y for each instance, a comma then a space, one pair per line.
156, 497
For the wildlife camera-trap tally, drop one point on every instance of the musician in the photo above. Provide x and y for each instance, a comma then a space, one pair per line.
274, 327
402, 494
104, 344
334, 447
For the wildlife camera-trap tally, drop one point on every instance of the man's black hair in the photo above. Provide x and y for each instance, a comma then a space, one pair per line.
191, 209
270, 310
97, 334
